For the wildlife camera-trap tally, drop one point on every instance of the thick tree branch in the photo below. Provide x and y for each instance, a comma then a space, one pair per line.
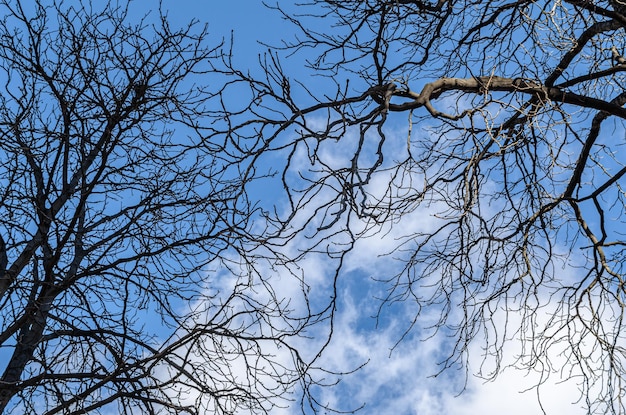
485, 84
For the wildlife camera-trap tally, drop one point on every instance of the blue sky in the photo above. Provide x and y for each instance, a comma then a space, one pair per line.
249, 20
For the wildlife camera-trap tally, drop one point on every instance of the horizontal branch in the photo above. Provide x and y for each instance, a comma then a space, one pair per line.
480, 85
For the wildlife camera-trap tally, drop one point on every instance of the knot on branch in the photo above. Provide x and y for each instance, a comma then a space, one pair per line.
381, 94
139, 91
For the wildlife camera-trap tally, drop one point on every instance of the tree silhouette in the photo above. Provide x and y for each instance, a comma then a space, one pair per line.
130, 275
512, 150
136, 268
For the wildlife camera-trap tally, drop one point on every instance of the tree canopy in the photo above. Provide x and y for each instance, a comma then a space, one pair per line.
502, 122
124, 220
150, 185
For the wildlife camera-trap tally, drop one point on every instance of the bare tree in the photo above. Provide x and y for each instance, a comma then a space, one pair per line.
124, 216
514, 144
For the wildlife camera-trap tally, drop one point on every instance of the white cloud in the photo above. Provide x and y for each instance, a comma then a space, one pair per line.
400, 382
398, 377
